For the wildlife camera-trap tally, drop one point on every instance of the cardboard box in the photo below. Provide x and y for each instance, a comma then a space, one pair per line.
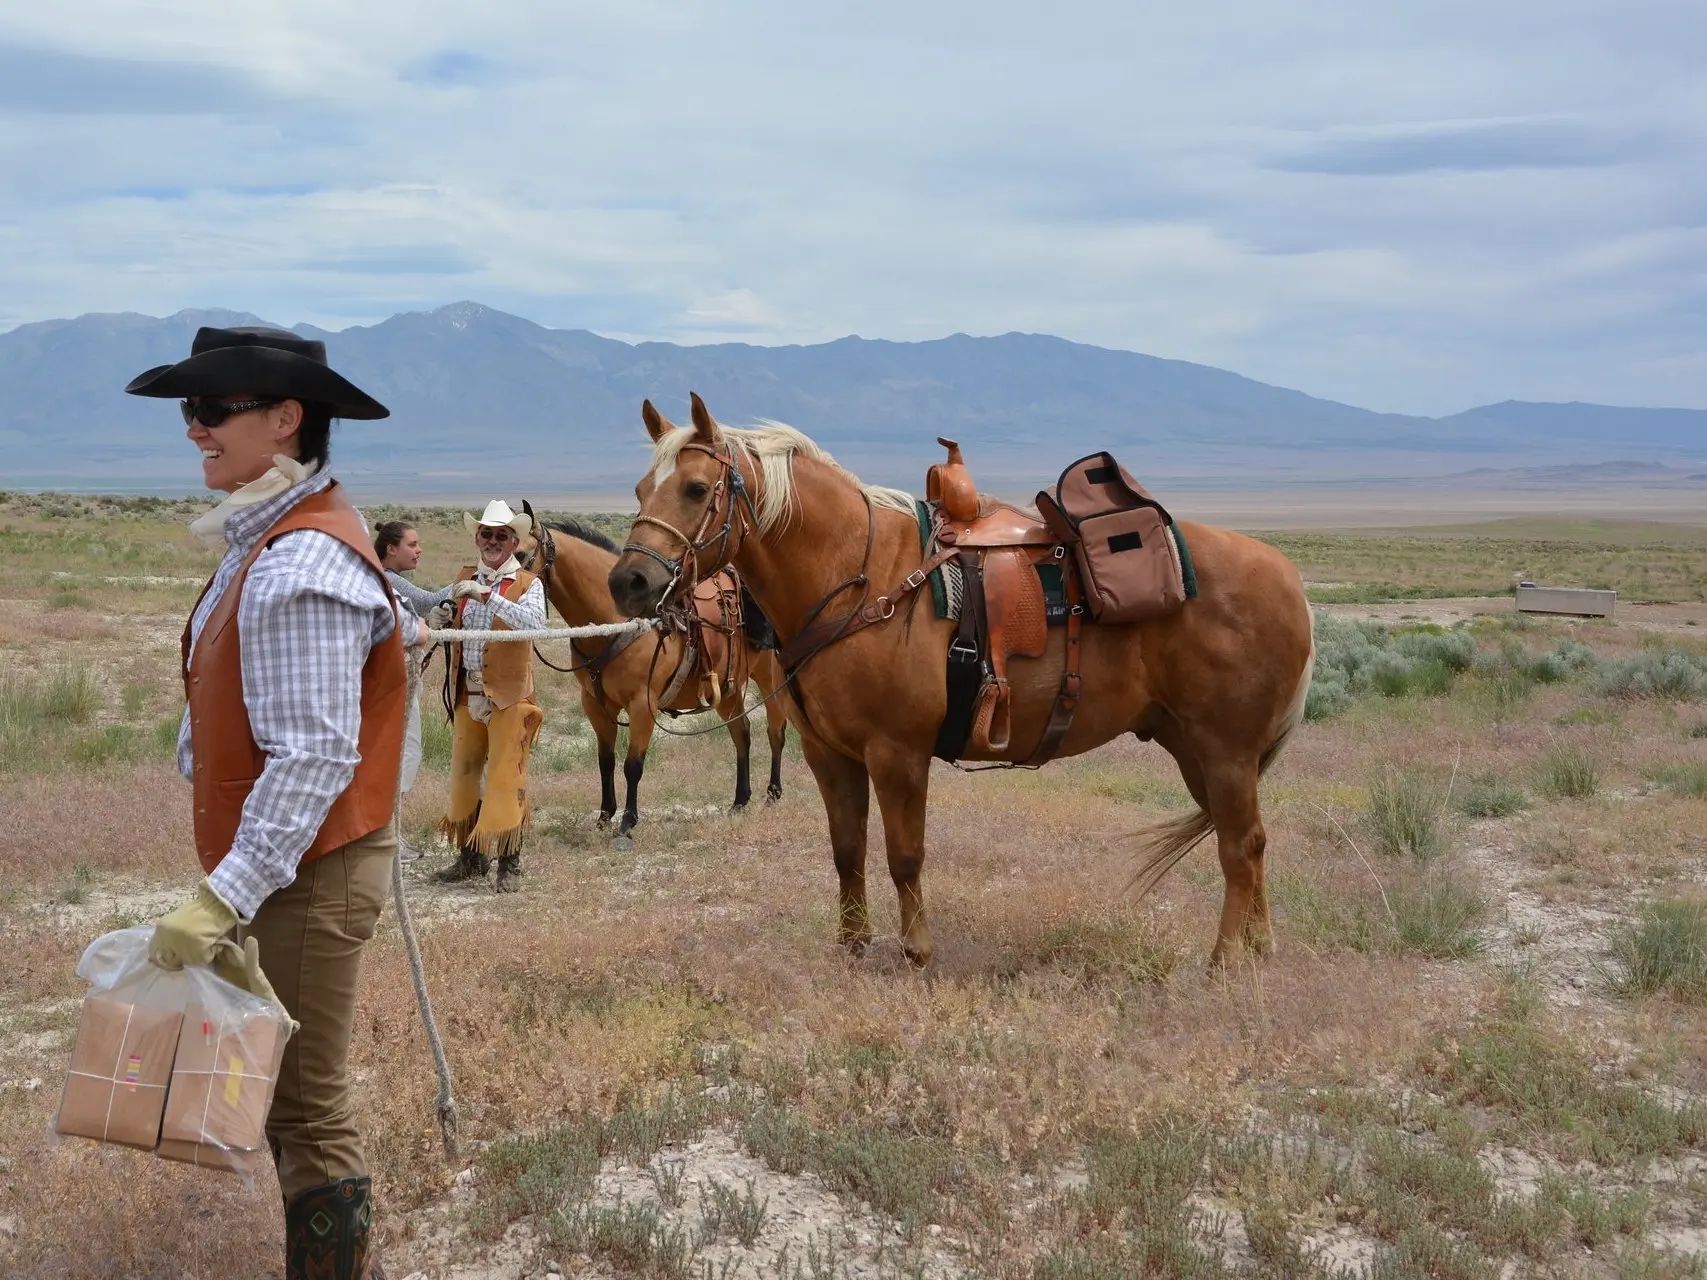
221, 1087
205, 1156
115, 1088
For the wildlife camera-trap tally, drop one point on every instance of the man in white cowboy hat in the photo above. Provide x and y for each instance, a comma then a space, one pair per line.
489, 688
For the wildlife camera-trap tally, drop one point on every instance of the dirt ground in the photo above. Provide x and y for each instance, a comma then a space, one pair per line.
666, 1068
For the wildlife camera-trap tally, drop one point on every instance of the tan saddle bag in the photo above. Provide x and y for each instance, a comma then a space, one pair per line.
1121, 538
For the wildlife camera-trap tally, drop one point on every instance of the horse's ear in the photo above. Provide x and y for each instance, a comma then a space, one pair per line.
704, 425
657, 425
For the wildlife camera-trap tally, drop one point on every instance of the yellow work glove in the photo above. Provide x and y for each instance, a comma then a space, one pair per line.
241, 967
190, 934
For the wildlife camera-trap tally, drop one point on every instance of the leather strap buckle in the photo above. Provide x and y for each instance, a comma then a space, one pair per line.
915, 580
878, 610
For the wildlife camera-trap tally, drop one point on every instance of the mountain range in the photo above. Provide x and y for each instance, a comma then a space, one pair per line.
480, 397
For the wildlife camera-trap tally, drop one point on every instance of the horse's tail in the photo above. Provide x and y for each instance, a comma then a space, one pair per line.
1295, 712
1164, 844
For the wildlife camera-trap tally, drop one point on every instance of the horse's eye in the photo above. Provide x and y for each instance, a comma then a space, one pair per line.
697, 491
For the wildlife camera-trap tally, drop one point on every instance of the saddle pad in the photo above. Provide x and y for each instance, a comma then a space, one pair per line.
1188, 575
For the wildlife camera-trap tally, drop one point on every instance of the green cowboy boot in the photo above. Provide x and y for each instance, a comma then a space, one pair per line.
326, 1233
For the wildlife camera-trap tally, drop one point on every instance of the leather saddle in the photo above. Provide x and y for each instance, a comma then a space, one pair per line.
1002, 615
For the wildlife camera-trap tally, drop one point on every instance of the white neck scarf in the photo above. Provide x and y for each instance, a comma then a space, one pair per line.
285, 473
506, 570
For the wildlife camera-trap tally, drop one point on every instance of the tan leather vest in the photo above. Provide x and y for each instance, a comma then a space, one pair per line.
227, 761
507, 666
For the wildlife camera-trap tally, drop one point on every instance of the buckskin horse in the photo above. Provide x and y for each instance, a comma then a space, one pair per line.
1220, 683
634, 673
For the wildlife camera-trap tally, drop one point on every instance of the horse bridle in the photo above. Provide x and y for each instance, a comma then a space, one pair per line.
730, 489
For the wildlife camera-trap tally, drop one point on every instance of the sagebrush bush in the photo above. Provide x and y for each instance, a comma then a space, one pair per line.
1675, 673
1455, 650
1357, 657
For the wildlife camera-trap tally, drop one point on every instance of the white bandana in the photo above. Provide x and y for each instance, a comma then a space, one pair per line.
285, 473
508, 569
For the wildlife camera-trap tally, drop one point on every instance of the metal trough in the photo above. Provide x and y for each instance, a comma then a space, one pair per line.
1580, 602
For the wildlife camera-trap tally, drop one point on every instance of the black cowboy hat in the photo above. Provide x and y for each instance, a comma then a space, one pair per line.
254, 360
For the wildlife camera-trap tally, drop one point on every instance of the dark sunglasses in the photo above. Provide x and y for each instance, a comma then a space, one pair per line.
494, 535
210, 413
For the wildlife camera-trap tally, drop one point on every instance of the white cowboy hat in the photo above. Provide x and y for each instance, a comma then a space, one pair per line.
498, 514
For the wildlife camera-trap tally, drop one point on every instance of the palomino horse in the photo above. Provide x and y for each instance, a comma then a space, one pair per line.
632, 673
1220, 683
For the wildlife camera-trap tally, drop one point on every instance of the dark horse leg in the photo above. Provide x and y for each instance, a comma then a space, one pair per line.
733, 708
903, 783
846, 788
777, 723
604, 729
639, 739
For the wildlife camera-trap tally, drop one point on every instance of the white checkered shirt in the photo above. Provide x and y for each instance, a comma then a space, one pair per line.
526, 614
311, 609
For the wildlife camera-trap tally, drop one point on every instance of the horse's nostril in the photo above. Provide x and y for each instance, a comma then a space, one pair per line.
637, 582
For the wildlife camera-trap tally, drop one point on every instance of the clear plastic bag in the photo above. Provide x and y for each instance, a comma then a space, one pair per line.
182, 1063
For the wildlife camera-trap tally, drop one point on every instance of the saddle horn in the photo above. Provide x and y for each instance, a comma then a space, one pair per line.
950, 484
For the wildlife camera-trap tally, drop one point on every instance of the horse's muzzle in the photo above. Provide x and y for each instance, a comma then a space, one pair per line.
638, 584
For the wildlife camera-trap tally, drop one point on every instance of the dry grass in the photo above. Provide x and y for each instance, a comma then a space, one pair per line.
1640, 563
626, 999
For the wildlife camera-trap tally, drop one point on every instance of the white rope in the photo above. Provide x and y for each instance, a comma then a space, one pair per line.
452, 635
445, 1103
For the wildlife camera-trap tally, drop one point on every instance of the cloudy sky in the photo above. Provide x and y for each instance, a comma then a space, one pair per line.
1417, 206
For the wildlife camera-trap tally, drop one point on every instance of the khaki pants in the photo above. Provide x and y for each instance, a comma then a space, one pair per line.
311, 934
489, 810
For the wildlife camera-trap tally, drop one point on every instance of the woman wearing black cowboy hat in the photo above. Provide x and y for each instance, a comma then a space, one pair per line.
294, 674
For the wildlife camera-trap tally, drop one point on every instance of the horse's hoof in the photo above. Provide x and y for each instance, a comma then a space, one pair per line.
919, 960
773, 794
605, 819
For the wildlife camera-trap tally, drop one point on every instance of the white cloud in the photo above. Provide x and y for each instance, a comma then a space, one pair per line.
1411, 207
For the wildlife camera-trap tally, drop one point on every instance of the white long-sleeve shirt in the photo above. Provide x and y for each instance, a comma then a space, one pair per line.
310, 613
418, 598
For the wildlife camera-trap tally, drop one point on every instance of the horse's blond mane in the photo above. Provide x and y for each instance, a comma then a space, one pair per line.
771, 446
